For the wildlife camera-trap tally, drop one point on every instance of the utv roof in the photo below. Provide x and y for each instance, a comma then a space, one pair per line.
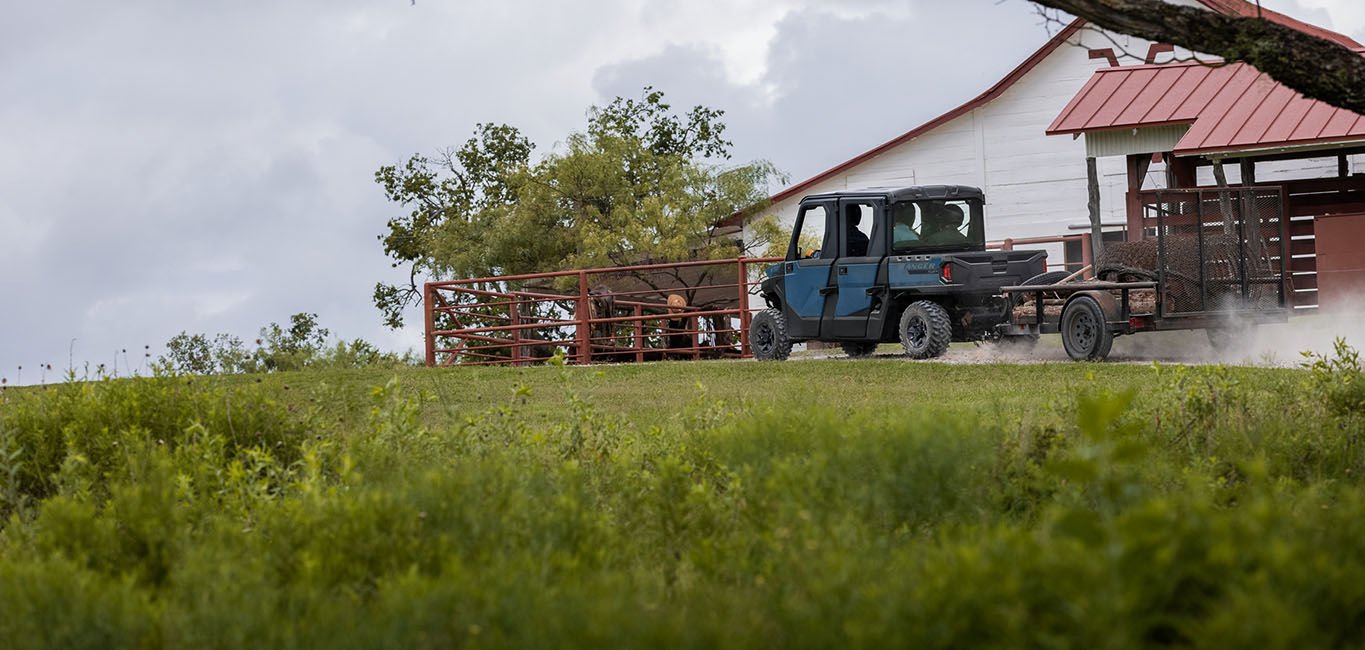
911, 193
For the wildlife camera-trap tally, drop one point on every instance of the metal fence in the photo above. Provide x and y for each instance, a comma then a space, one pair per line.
690, 310
1218, 250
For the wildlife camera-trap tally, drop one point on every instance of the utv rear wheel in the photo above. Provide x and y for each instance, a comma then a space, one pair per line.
1085, 334
925, 330
857, 349
768, 336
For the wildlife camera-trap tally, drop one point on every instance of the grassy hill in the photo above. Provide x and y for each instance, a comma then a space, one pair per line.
808, 504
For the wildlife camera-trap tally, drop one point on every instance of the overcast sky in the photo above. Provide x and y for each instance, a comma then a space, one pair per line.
172, 166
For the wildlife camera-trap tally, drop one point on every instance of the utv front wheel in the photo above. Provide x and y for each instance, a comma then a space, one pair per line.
857, 349
925, 330
768, 336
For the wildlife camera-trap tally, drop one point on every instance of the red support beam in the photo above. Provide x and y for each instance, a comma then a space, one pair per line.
429, 309
1088, 253
584, 318
1137, 170
742, 279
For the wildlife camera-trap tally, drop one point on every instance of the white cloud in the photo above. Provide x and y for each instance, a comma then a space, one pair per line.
1346, 16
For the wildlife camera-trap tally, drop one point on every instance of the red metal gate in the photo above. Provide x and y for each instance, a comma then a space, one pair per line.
690, 310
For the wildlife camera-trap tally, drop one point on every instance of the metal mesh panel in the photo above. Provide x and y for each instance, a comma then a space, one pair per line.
1218, 249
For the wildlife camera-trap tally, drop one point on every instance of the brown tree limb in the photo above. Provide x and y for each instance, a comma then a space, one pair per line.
1318, 68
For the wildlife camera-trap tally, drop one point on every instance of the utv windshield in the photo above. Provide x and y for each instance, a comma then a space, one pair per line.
937, 225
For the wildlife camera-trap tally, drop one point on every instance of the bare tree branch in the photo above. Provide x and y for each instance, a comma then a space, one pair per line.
1055, 21
1318, 68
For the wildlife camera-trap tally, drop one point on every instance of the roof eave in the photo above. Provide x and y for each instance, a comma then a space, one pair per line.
1078, 131
1326, 144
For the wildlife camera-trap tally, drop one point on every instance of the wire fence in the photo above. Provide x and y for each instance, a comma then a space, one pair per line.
1219, 249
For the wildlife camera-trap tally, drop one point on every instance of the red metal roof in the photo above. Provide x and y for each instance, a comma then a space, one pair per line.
1228, 107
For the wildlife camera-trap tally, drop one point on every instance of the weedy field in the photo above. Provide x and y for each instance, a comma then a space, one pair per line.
835, 503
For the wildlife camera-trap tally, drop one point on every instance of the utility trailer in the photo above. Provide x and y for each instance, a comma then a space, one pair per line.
1211, 259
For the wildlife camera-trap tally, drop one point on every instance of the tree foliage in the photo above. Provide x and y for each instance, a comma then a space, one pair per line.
301, 345
1318, 68
641, 183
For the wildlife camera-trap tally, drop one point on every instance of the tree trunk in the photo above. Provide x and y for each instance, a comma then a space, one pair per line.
1096, 228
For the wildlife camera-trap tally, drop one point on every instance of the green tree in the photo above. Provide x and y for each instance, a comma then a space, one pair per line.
640, 184
197, 354
294, 347
301, 345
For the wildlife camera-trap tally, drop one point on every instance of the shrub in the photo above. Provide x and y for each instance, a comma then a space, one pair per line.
82, 438
186, 513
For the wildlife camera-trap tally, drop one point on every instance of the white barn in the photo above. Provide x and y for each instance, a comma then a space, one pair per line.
1035, 185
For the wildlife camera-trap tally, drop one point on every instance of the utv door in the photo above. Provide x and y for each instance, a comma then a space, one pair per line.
858, 279
806, 272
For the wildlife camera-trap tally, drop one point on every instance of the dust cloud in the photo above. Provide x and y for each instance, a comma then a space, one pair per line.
1271, 345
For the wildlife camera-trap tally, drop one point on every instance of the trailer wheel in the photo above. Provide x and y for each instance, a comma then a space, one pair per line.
925, 330
858, 349
768, 336
1085, 334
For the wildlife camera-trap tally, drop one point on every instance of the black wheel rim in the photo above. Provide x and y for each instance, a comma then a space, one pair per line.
763, 338
917, 332
1084, 331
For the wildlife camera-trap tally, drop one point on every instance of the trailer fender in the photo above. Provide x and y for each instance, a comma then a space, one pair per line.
1113, 313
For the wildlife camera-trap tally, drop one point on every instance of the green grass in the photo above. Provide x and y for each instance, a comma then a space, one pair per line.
819, 503
652, 392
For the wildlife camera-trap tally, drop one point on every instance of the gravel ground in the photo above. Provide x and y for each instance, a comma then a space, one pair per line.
1280, 345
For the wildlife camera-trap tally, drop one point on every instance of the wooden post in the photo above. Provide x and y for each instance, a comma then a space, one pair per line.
1096, 228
